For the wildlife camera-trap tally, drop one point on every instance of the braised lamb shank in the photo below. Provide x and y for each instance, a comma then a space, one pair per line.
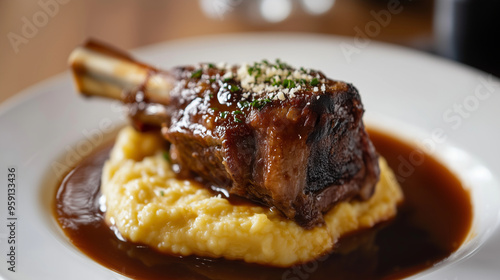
283, 137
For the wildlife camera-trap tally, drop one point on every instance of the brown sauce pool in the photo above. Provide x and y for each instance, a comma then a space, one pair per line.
431, 224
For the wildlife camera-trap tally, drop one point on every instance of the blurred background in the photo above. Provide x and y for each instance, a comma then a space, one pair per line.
37, 36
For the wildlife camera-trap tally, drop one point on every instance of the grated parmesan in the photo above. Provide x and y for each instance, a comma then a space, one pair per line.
277, 81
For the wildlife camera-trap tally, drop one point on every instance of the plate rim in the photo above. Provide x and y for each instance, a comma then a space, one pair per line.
57, 80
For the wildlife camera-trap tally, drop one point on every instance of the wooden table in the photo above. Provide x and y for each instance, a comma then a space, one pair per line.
37, 39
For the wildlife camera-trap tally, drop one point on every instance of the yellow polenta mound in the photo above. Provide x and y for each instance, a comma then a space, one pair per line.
148, 205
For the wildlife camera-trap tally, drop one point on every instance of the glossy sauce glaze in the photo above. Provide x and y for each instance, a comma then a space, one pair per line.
431, 224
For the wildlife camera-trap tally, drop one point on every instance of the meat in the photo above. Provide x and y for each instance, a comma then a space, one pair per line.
282, 137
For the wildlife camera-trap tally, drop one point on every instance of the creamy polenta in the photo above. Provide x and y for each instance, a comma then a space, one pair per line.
148, 205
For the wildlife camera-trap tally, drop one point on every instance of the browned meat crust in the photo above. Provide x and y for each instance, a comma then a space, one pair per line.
301, 152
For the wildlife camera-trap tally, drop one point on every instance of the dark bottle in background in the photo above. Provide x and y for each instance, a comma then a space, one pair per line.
469, 31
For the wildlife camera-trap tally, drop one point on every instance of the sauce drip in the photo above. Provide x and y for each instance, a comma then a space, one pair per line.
431, 224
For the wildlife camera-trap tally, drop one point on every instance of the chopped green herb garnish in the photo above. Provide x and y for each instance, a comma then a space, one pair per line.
211, 80
259, 103
255, 69
223, 114
237, 120
243, 104
278, 64
166, 156
237, 112
210, 95
281, 65
214, 109
227, 80
196, 74
288, 83
211, 65
162, 193
314, 82
233, 88
276, 82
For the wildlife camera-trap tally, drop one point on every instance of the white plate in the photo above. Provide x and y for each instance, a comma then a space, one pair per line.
403, 91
